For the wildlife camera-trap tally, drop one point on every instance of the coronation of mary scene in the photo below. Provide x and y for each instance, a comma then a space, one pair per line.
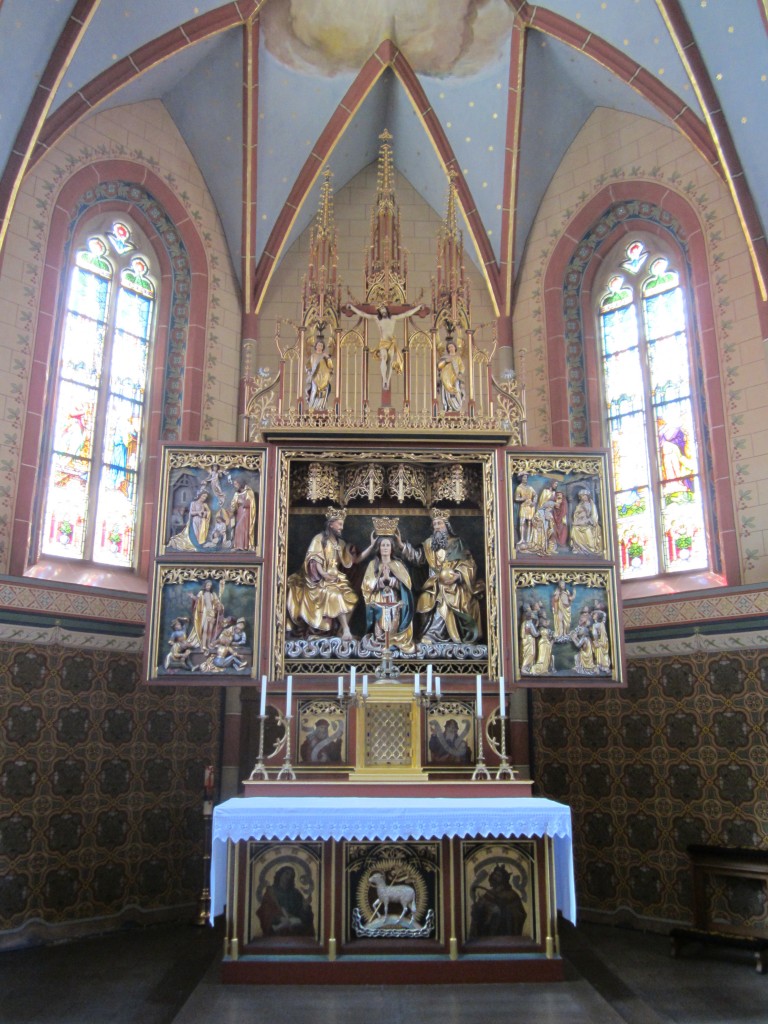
384, 491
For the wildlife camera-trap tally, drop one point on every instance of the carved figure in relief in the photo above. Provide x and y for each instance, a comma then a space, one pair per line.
600, 642
582, 641
528, 637
320, 598
560, 519
207, 617
179, 655
243, 510
402, 894
387, 349
195, 533
586, 534
223, 656
284, 910
388, 596
450, 378
543, 665
562, 608
525, 498
449, 598
496, 908
213, 480
319, 375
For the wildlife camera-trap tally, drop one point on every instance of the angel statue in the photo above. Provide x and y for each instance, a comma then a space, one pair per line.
450, 378
318, 376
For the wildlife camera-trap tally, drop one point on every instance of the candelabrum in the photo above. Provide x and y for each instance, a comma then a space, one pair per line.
481, 771
505, 770
287, 772
387, 669
259, 769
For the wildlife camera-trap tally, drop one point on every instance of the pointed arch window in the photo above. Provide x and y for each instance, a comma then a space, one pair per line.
90, 500
651, 411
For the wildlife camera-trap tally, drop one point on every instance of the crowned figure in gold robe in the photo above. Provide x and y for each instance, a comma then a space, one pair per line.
388, 597
449, 596
320, 597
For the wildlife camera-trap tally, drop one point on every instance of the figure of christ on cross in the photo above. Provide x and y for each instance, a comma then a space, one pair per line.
390, 356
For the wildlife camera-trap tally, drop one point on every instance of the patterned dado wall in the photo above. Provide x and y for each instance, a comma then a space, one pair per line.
101, 783
678, 757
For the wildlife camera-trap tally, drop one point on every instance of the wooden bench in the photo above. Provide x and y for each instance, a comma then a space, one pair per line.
715, 861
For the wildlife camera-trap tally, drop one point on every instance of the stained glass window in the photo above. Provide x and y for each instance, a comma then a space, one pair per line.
91, 493
651, 415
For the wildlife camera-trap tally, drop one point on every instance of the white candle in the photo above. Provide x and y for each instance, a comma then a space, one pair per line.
288, 695
263, 706
429, 679
341, 687
479, 682
437, 685
502, 698
365, 685
416, 684
352, 674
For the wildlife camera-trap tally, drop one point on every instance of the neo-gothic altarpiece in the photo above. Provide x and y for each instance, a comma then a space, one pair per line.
382, 561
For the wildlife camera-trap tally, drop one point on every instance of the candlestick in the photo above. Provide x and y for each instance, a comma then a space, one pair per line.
480, 772
287, 772
259, 770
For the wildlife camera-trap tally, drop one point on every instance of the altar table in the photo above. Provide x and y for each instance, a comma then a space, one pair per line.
388, 818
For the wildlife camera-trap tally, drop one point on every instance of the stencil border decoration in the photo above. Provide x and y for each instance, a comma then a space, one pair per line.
593, 464
245, 459
591, 578
174, 574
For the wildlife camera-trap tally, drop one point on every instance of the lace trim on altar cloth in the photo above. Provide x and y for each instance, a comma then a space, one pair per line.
364, 818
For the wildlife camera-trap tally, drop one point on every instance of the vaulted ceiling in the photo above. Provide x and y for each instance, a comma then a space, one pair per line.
272, 91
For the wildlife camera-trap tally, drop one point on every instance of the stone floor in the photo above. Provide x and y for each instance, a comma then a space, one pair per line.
169, 975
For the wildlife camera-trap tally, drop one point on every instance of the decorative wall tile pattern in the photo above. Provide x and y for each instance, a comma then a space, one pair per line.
679, 757
101, 787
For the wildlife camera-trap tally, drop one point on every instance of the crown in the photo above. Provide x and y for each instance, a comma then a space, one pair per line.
438, 513
333, 514
385, 526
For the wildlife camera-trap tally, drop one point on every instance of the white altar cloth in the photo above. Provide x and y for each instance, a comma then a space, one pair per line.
390, 818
